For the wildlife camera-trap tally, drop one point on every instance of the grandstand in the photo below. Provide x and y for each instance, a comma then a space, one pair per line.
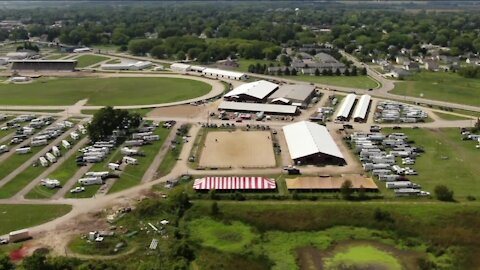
43, 65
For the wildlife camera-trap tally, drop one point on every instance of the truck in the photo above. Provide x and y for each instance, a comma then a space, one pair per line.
130, 160
87, 181
51, 157
23, 150
18, 236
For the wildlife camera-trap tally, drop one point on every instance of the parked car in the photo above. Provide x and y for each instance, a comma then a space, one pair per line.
77, 190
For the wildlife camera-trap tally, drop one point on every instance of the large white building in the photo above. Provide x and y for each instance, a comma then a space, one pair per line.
258, 107
127, 66
255, 91
360, 113
310, 143
346, 107
294, 94
224, 74
180, 67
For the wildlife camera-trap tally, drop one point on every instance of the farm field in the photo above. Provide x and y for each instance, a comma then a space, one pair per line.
441, 86
361, 82
102, 91
88, 60
447, 161
31, 215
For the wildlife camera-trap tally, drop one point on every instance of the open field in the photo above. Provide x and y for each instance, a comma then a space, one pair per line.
102, 91
88, 60
447, 161
452, 117
362, 82
20, 181
55, 56
15, 160
442, 86
31, 215
223, 149
363, 256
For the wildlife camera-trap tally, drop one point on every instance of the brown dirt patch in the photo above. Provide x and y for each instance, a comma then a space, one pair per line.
177, 111
225, 149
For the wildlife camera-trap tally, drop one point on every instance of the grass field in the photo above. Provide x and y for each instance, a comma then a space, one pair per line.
361, 82
88, 60
363, 256
20, 181
441, 86
15, 160
102, 91
447, 161
171, 158
55, 56
234, 237
31, 215
452, 117
244, 63
132, 174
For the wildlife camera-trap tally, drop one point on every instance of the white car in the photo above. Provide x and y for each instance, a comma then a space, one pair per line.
77, 190
3, 241
4, 128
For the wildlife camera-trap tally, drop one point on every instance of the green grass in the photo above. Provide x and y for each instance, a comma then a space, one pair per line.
442, 86
20, 181
244, 63
362, 82
88, 60
132, 174
55, 56
7, 132
102, 91
15, 160
114, 61
171, 158
31, 215
106, 247
459, 172
234, 237
363, 256
452, 117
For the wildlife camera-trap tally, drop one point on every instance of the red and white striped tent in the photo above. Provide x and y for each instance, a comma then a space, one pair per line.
234, 183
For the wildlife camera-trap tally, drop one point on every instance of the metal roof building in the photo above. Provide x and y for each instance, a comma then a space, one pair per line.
127, 66
360, 113
257, 107
225, 74
346, 107
180, 67
234, 183
301, 94
310, 143
256, 91
44, 65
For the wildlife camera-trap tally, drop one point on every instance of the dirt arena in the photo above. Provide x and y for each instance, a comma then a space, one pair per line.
224, 149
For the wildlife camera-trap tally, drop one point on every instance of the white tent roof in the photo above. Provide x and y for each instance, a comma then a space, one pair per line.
257, 107
347, 106
362, 106
258, 89
307, 138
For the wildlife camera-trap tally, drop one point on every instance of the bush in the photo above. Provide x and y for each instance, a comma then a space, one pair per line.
442, 193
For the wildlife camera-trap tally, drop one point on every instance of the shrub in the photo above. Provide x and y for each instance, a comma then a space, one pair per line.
442, 193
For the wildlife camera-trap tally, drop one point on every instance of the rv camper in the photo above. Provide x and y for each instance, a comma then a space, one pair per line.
130, 160
87, 181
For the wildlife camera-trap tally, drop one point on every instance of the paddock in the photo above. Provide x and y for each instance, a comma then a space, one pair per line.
238, 149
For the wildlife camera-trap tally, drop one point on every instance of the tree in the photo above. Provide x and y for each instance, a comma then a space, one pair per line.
362, 195
337, 72
317, 72
284, 59
346, 190
180, 55
324, 72
363, 71
354, 71
294, 72
215, 211
287, 71
107, 119
442, 193
346, 72
38, 261
5, 263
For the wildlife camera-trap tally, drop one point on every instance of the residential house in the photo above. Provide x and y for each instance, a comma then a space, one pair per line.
431, 65
411, 66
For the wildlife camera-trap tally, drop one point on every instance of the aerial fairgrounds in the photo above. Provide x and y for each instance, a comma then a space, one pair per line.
210, 130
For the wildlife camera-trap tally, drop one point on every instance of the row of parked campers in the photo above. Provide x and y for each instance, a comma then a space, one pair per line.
22, 133
50, 157
49, 133
93, 178
95, 153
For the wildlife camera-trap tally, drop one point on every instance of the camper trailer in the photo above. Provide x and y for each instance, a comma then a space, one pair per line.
20, 235
43, 161
51, 157
87, 181
39, 142
56, 151
3, 149
134, 143
66, 144
113, 166
74, 136
130, 160
23, 150
151, 138
401, 184
103, 175
128, 152
50, 183
92, 159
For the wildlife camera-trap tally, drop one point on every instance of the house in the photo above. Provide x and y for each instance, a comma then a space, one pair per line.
411, 66
398, 73
473, 60
401, 59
